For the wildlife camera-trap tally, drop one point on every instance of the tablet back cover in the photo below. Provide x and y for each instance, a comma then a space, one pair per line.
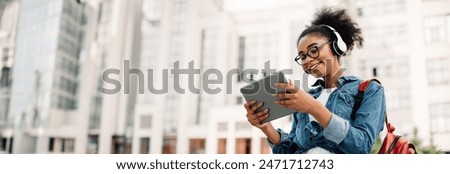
262, 91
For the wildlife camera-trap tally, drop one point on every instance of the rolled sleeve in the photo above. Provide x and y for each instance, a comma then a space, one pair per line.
284, 137
337, 129
287, 144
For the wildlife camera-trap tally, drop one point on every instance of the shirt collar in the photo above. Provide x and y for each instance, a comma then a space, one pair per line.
342, 80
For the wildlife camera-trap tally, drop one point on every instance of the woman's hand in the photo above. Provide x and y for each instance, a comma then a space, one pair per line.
256, 118
294, 98
302, 102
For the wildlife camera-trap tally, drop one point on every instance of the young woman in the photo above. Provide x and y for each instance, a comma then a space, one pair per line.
322, 123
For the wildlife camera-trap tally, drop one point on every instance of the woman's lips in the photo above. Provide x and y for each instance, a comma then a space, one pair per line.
313, 67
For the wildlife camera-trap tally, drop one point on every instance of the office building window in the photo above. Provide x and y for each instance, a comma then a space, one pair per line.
360, 11
243, 146
239, 100
105, 11
169, 145
437, 71
5, 55
398, 99
61, 145
92, 147
435, 29
222, 127
197, 146
146, 122
241, 56
3, 144
222, 146
51, 144
69, 145
440, 117
144, 145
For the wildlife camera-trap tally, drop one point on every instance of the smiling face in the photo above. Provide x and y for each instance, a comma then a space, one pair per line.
326, 61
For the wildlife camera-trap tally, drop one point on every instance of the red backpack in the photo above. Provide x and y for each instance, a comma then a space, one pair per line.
392, 143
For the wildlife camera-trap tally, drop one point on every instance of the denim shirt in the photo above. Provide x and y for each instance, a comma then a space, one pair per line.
342, 135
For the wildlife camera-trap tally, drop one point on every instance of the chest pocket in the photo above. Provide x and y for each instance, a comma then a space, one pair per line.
344, 105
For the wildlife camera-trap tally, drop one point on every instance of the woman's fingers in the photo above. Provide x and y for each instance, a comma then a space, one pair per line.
284, 95
256, 107
264, 116
262, 113
248, 104
289, 87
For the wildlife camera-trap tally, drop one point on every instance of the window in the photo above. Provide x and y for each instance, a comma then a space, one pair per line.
239, 100
398, 99
92, 147
105, 11
69, 145
440, 117
243, 146
435, 29
222, 127
146, 122
438, 72
51, 144
197, 146
222, 146
374, 71
5, 55
144, 145
3, 144
360, 11
4, 107
241, 58
169, 145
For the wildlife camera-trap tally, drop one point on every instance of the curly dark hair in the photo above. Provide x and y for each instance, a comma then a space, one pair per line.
340, 21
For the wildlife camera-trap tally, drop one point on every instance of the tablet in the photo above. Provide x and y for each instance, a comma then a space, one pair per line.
262, 91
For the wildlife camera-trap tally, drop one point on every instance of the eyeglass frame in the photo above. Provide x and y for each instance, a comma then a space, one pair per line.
297, 58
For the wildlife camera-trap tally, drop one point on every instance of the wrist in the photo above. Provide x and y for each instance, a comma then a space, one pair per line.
266, 128
314, 107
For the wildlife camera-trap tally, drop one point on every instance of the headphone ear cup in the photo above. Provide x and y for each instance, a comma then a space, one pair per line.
336, 48
339, 46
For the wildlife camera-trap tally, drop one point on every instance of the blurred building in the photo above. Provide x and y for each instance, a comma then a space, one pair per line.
9, 12
405, 49
45, 71
112, 38
179, 33
436, 63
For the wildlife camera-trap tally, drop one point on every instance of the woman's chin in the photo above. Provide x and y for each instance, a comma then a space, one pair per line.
317, 74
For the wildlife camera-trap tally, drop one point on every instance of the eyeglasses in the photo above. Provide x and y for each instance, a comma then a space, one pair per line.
312, 52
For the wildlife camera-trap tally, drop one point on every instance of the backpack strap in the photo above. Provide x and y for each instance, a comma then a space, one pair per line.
359, 96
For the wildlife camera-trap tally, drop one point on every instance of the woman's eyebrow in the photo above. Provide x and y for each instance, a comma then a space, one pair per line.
309, 46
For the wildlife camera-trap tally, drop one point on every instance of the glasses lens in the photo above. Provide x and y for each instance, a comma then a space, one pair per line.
314, 52
299, 59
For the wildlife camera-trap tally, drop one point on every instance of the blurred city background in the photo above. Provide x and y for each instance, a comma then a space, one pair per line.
53, 54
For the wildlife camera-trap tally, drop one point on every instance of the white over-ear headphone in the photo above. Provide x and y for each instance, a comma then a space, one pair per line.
338, 44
